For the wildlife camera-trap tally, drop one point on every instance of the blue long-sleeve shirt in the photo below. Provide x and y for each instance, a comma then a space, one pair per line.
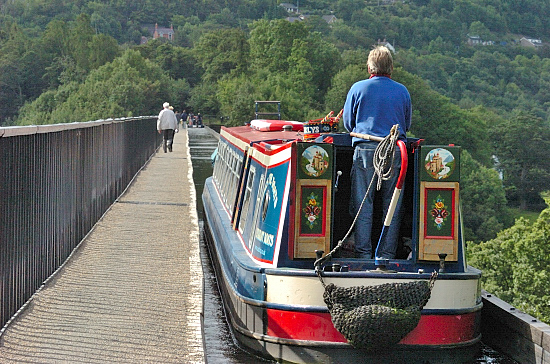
374, 105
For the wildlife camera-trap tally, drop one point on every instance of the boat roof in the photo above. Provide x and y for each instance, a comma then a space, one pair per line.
250, 135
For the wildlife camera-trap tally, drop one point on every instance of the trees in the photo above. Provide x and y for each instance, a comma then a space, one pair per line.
521, 145
438, 121
271, 42
65, 52
178, 62
293, 64
236, 96
130, 85
516, 264
221, 52
341, 83
484, 205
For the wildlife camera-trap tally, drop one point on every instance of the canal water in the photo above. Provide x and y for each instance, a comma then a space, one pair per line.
220, 345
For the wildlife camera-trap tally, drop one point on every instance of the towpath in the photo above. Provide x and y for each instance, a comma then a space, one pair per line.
132, 292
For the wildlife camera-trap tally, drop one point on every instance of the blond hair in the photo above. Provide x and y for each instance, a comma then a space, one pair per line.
380, 61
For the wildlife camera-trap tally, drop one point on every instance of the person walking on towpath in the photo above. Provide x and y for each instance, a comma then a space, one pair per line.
168, 125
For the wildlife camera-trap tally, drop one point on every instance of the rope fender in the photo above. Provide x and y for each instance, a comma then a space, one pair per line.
377, 317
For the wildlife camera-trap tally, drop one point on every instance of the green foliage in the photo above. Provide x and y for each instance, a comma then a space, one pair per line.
178, 62
270, 43
236, 95
15, 51
130, 85
180, 93
438, 121
341, 83
65, 52
522, 145
484, 205
221, 52
204, 99
516, 264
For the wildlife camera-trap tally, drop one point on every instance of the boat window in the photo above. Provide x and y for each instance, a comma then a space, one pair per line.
246, 200
223, 168
225, 171
220, 163
225, 176
229, 181
231, 185
235, 172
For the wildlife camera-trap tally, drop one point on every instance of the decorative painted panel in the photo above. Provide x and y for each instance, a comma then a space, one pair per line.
438, 220
314, 161
313, 208
440, 163
439, 213
312, 216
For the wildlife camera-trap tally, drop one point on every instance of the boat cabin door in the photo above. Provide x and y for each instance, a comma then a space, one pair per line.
439, 175
310, 210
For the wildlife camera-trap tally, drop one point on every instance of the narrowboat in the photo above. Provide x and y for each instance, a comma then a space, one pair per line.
280, 237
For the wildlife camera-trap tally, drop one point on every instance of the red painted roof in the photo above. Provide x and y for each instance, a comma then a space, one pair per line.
249, 135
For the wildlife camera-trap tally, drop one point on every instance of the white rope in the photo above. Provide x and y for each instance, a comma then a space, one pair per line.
382, 154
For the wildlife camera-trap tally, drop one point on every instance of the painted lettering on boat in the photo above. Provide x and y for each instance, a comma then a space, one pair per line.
265, 238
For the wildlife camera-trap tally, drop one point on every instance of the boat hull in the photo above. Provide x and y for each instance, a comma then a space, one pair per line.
276, 210
303, 333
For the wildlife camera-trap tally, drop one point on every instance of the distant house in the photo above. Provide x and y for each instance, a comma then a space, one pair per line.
291, 8
475, 40
530, 42
292, 19
386, 44
328, 18
158, 32
161, 32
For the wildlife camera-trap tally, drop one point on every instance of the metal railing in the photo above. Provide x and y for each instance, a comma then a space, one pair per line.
56, 181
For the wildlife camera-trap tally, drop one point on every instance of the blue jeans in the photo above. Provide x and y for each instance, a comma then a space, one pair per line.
361, 175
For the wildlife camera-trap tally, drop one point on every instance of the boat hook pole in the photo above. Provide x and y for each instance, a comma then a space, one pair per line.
394, 199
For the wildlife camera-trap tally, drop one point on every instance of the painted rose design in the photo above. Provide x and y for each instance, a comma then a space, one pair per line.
312, 211
439, 212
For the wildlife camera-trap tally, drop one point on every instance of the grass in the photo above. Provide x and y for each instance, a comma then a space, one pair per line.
529, 215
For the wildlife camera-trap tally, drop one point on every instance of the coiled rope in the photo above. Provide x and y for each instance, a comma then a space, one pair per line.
383, 158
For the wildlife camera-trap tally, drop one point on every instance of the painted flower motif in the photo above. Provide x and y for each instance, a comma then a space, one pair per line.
439, 212
312, 210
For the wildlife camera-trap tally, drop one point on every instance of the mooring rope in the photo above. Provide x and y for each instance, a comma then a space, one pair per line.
383, 170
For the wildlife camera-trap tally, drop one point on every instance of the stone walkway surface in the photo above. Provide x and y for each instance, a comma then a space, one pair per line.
132, 292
